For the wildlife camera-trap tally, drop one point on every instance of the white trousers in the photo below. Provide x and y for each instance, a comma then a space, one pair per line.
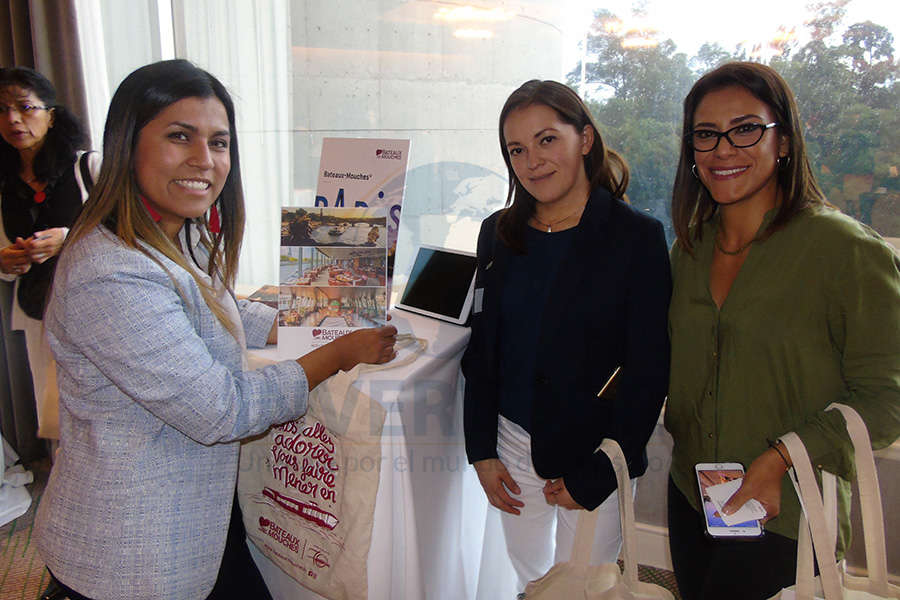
43, 376
530, 535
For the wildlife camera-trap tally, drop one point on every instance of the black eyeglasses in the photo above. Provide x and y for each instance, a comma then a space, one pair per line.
742, 136
22, 109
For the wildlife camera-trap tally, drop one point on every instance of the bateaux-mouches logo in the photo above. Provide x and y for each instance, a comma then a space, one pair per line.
329, 334
385, 154
282, 536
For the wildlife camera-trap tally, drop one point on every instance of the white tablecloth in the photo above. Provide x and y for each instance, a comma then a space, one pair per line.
431, 516
14, 498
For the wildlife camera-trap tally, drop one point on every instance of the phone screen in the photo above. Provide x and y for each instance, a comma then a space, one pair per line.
722, 474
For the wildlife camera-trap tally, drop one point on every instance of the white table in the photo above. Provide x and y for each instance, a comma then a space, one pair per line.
430, 511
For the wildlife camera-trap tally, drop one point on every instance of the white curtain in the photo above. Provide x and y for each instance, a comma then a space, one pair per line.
93, 56
247, 48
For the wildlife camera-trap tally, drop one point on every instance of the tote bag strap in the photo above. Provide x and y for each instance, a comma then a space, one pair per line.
403, 340
805, 582
338, 384
626, 510
83, 176
582, 547
805, 566
823, 541
869, 499
584, 538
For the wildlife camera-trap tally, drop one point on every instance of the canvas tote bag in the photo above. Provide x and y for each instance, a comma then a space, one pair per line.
577, 579
307, 487
818, 524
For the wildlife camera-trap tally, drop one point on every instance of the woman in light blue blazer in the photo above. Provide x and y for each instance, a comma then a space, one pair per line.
149, 342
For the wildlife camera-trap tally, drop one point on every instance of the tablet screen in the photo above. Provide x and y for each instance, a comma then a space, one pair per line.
440, 284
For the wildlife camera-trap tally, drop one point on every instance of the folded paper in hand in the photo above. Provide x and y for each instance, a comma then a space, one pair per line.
722, 492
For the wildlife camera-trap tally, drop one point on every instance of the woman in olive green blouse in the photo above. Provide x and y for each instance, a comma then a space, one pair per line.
780, 306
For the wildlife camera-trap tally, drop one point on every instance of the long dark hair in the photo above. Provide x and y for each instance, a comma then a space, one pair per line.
692, 204
64, 138
603, 166
115, 200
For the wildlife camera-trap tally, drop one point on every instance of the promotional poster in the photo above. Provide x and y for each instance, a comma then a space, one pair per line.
336, 257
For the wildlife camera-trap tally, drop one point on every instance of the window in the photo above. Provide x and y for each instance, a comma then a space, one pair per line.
838, 57
438, 72
116, 39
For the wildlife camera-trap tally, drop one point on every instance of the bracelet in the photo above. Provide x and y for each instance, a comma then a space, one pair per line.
774, 446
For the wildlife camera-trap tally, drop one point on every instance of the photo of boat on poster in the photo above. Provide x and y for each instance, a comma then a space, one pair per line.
336, 254
332, 272
356, 227
366, 172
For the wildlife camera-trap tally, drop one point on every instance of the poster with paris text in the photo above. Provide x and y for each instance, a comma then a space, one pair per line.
356, 172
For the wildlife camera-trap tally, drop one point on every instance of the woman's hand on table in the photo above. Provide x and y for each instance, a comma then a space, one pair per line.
762, 482
496, 480
373, 346
555, 493
14, 259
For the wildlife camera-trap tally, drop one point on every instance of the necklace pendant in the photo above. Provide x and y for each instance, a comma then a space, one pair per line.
549, 229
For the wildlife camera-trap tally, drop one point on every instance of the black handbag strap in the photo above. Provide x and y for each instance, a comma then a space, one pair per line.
86, 178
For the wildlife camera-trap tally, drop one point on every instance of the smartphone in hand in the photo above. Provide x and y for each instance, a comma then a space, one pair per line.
716, 483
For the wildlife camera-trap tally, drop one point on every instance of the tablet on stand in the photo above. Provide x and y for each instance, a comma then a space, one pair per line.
441, 284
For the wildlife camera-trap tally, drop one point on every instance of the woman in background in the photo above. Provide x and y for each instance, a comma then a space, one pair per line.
572, 283
150, 342
780, 306
44, 178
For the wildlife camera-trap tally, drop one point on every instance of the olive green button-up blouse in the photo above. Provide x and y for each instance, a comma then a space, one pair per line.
813, 317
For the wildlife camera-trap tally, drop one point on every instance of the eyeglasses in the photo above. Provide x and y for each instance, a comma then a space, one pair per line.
742, 136
22, 109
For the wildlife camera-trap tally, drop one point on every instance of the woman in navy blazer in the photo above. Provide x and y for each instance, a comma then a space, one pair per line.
572, 283
150, 344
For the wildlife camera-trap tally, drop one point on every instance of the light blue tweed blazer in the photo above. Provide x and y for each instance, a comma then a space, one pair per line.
152, 399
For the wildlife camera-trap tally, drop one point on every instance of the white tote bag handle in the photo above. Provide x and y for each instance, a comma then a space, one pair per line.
576, 578
822, 518
584, 538
587, 519
581, 550
806, 587
813, 508
869, 499
404, 340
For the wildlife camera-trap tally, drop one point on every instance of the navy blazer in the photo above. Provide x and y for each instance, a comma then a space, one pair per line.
608, 308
